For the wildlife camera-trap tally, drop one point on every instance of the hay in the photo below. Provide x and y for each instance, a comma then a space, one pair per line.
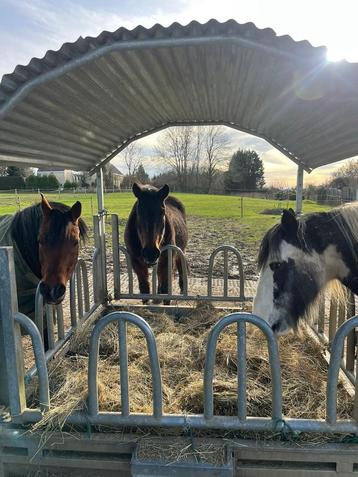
181, 348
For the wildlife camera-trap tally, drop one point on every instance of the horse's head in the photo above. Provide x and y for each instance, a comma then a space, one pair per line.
59, 238
291, 274
150, 211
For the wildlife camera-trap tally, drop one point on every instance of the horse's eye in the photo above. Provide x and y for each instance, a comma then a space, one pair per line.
275, 266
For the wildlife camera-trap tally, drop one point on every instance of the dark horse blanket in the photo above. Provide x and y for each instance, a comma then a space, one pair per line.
26, 281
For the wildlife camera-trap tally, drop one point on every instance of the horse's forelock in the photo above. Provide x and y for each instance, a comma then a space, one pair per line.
59, 220
270, 245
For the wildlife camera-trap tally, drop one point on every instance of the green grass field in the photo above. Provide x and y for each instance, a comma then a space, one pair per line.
197, 205
213, 220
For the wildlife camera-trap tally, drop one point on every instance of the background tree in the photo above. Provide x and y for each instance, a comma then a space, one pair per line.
215, 145
345, 176
246, 171
16, 171
45, 182
141, 175
132, 161
176, 149
3, 170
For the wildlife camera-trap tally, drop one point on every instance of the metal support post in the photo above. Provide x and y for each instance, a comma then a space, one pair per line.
12, 385
102, 234
299, 190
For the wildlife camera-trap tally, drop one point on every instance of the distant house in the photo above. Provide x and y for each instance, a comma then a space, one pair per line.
113, 177
62, 176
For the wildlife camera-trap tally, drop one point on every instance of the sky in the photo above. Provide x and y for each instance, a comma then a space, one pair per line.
29, 28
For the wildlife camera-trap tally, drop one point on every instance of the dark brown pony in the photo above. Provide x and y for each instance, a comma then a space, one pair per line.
46, 239
156, 220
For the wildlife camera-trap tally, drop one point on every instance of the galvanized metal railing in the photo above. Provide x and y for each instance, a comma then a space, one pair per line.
240, 319
226, 249
172, 252
332, 313
122, 318
334, 367
79, 292
208, 420
40, 360
12, 379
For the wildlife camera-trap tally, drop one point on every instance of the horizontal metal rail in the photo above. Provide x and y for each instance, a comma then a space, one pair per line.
194, 421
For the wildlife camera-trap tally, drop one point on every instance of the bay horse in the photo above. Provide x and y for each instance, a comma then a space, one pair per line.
45, 238
155, 220
297, 259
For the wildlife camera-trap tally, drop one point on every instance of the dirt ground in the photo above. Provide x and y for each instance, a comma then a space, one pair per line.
205, 235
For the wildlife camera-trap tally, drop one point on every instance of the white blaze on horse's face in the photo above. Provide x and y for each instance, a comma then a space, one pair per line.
290, 278
287, 285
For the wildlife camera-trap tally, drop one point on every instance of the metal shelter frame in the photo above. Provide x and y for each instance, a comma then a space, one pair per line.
80, 106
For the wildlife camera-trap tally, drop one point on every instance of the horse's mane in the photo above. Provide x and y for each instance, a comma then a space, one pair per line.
26, 225
344, 217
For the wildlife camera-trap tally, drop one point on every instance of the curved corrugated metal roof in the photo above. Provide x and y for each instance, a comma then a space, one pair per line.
79, 106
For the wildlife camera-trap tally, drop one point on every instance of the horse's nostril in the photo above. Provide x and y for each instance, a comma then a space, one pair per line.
44, 289
276, 327
151, 255
58, 291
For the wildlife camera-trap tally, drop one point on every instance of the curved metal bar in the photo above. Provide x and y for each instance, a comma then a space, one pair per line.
49, 311
174, 248
85, 283
123, 367
79, 291
115, 253
73, 306
95, 268
117, 317
39, 312
40, 360
241, 370
273, 357
226, 249
79, 283
60, 322
129, 268
334, 366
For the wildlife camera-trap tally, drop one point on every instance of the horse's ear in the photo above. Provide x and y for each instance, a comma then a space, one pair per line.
292, 211
137, 190
289, 222
163, 192
75, 211
45, 206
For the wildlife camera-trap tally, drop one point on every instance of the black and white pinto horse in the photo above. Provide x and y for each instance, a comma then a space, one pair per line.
299, 257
